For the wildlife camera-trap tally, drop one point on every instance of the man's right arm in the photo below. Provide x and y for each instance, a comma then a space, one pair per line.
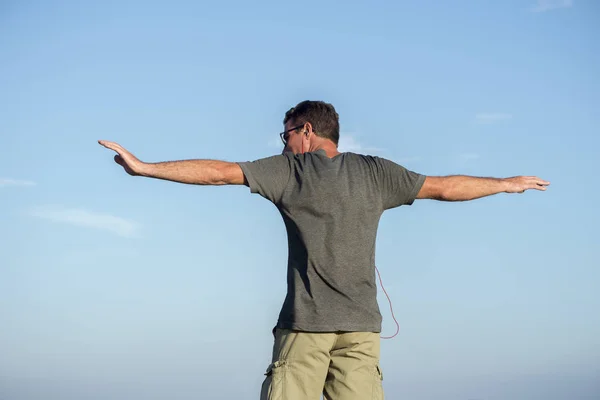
464, 188
193, 172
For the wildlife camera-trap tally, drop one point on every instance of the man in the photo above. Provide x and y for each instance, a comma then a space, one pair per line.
327, 334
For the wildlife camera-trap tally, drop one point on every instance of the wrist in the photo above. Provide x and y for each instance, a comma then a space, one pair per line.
506, 185
144, 169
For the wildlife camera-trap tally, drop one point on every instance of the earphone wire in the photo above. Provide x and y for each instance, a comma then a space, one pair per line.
391, 308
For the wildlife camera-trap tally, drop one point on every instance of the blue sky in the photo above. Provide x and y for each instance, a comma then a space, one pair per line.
113, 287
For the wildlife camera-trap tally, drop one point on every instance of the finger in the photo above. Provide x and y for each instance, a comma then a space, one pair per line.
112, 146
119, 160
107, 144
539, 181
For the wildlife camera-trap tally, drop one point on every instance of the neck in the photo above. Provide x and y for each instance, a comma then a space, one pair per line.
328, 146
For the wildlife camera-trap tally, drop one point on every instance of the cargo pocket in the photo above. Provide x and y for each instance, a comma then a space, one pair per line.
377, 383
272, 387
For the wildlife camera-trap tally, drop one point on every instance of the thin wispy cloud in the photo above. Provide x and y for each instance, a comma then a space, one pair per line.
549, 5
349, 144
491, 118
87, 219
15, 182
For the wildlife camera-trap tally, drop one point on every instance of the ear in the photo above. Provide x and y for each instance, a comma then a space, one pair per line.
308, 129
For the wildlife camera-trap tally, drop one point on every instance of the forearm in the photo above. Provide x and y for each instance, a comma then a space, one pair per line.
194, 172
463, 188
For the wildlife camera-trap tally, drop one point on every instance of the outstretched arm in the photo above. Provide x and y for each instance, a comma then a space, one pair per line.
462, 188
195, 172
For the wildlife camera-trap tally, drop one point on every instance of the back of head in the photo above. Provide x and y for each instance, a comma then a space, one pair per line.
322, 116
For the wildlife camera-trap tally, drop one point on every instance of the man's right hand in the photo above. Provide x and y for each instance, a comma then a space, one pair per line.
130, 163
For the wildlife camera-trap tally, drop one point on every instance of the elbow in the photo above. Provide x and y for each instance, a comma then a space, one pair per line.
439, 188
441, 197
445, 195
228, 174
219, 182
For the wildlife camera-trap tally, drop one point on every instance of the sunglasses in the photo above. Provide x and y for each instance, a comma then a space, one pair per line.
284, 135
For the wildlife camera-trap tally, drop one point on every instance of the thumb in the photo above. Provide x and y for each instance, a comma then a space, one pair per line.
128, 168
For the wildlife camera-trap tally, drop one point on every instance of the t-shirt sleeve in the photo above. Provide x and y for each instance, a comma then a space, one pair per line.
269, 176
398, 185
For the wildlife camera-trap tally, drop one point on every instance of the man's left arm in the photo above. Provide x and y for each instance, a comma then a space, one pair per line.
463, 188
193, 172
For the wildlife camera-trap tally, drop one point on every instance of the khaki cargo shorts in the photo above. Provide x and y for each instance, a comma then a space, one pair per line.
340, 366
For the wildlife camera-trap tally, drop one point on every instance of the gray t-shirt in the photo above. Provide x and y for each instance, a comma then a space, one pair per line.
331, 209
